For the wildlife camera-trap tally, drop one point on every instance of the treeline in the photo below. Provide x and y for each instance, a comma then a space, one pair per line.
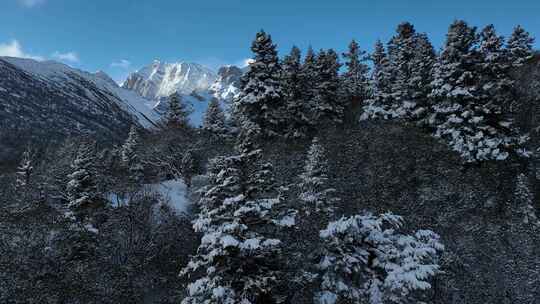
465, 94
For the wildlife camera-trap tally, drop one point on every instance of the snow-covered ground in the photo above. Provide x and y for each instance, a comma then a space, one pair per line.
173, 192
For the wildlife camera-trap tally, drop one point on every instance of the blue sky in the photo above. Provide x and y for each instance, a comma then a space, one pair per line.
119, 36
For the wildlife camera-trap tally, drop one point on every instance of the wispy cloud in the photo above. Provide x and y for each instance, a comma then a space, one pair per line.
244, 63
14, 49
123, 64
31, 3
69, 56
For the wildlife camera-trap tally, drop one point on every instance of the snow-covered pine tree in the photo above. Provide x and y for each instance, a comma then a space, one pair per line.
130, 157
261, 98
497, 84
315, 193
401, 51
24, 170
237, 254
82, 194
381, 80
519, 46
327, 106
177, 115
401, 78
369, 260
189, 167
297, 106
214, 118
461, 105
308, 76
455, 89
524, 201
355, 80
421, 67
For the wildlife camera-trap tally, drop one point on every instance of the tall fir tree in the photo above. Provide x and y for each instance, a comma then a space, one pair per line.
214, 118
82, 193
326, 104
308, 75
421, 66
401, 51
520, 46
315, 193
24, 170
188, 167
237, 254
496, 82
381, 80
177, 115
261, 98
355, 80
131, 160
524, 201
297, 106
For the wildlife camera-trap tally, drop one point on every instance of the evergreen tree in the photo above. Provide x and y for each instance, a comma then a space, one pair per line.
214, 118
412, 58
381, 80
82, 194
496, 82
261, 98
519, 46
308, 76
314, 190
421, 66
297, 106
237, 254
401, 50
177, 116
355, 83
327, 106
188, 167
367, 260
24, 170
464, 115
524, 201
130, 157
308, 79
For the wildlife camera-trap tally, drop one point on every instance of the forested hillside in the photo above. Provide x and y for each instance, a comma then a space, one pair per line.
407, 175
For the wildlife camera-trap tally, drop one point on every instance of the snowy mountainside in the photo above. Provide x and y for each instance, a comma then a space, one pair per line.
161, 79
65, 76
44, 102
227, 84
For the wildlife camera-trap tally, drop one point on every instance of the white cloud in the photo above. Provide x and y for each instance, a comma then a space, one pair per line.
31, 3
69, 56
14, 49
123, 64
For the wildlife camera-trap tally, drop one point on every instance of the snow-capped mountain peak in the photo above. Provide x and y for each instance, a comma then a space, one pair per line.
161, 79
